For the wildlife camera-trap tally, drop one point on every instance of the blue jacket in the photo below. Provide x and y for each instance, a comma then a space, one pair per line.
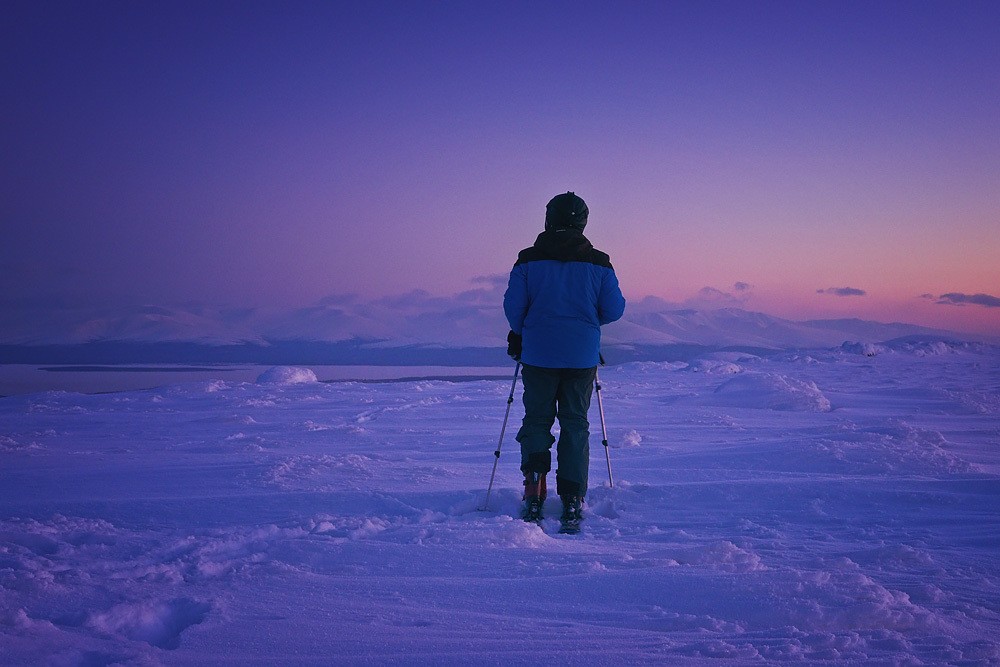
561, 290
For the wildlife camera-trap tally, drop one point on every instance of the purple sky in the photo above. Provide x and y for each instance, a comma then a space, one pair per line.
806, 159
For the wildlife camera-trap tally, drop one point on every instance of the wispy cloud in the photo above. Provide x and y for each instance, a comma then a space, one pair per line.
712, 298
959, 299
842, 291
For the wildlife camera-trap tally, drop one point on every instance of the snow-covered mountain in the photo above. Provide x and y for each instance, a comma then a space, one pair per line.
192, 323
734, 326
469, 320
730, 326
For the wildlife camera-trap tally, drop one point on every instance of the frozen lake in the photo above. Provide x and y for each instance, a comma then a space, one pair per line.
94, 379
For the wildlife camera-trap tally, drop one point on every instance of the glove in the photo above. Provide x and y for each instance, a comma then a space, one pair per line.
514, 346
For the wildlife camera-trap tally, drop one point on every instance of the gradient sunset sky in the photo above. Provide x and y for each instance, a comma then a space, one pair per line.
803, 159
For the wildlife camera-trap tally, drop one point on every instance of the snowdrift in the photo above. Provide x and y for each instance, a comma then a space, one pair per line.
286, 375
769, 391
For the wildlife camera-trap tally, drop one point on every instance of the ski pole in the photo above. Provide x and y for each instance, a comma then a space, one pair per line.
510, 399
604, 430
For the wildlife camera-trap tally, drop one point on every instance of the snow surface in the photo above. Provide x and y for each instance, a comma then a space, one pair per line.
821, 506
287, 375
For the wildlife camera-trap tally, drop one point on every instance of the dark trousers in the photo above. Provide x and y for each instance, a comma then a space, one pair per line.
564, 393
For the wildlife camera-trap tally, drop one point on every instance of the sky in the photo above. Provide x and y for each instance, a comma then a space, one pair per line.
807, 160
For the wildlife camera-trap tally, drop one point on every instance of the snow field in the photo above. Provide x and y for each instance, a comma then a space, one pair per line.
820, 507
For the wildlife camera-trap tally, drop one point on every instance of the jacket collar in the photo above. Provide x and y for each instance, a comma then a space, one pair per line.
563, 244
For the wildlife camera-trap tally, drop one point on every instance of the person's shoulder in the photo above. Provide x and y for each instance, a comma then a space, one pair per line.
599, 258
531, 254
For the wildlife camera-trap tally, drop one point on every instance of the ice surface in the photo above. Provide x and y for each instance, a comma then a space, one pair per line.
818, 506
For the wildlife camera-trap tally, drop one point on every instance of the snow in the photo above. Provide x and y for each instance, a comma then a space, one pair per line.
769, 390
812, 506
287, 375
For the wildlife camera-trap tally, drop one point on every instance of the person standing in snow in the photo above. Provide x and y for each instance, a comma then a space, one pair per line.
561, 290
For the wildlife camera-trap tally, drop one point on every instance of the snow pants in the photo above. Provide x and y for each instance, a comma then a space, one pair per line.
564, 393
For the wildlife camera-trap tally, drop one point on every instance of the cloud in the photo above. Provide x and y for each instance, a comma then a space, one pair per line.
710, 298
959, 299
842, 291
413, 300
492, 281
339, 299
489, 290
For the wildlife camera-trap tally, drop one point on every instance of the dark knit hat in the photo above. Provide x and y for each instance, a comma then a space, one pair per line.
566, 211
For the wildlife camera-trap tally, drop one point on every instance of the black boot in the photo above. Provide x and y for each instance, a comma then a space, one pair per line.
572, 514
534, 496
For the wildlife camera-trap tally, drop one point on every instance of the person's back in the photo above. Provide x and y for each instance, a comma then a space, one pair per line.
561, 290
572, 290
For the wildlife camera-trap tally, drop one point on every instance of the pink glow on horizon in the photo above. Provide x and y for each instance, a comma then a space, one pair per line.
151, 156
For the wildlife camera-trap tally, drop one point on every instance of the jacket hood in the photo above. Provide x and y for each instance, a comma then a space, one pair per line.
563, 244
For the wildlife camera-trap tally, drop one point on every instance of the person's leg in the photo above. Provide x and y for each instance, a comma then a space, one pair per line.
535, 434
576, 387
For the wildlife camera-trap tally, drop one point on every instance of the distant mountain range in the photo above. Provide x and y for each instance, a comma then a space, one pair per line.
734, 326
416, 328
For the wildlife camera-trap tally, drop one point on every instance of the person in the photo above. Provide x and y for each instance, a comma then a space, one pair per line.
561, 290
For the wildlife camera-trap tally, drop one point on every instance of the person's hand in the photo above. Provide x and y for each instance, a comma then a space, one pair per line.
514, 346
